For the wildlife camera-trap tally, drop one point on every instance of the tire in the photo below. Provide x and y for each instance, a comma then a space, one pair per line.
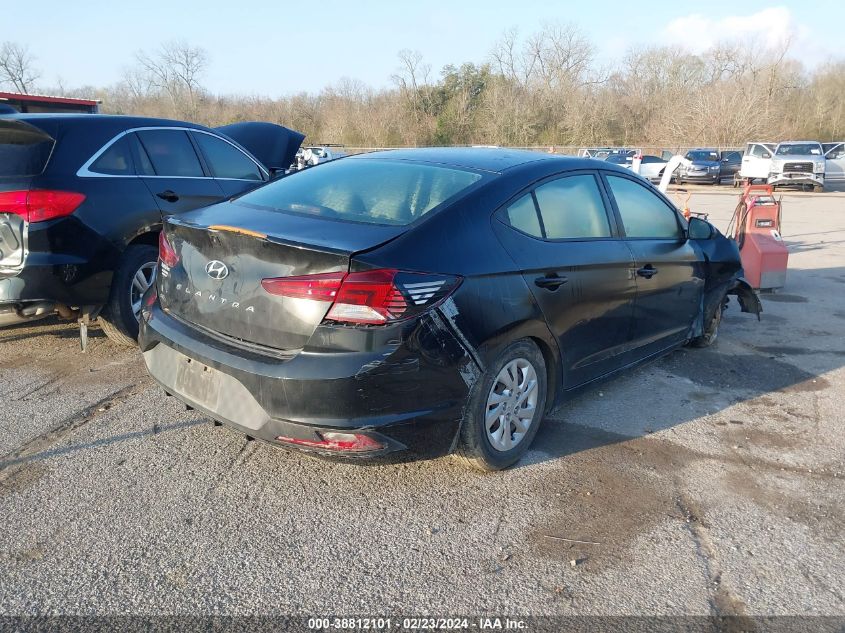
711, 330
818, 188
119, 320
478, 445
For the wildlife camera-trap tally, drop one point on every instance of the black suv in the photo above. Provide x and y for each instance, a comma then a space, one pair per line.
82, 199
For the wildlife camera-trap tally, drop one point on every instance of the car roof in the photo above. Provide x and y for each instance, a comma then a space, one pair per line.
107, 121
495, 160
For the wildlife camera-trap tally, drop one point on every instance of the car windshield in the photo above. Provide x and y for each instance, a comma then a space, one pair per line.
799, 149
619, 160
702, 156
364, 190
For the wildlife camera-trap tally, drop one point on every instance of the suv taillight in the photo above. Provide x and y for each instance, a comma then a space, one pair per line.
372, 297
39, 205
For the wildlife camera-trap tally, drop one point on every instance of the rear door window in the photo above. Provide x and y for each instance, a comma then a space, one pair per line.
171, 153
644, 213
572, 208
115, 161
225, 160
24, 149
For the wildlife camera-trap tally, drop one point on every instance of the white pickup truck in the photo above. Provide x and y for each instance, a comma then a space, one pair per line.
806, 163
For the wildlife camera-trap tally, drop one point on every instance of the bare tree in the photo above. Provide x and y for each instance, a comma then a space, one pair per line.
17, 67
175, 69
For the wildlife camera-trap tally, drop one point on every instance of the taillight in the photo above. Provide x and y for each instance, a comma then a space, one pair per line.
38, 205
368, 297
322, 287
166, 253
372, 297
340, 442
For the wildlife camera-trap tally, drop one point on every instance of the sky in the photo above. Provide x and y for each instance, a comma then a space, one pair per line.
276, 48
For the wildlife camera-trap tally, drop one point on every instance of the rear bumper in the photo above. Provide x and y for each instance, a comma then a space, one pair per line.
404, 387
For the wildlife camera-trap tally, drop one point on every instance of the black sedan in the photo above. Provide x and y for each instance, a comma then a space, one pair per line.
427, 300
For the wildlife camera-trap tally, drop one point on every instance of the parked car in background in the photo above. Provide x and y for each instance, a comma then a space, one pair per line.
415, 300
730, 162
314, 155
652, 167
82, 199
799, 163
623, 160
834, 154
704, 167
756, 161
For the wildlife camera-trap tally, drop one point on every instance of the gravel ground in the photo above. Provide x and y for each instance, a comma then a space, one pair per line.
709, 482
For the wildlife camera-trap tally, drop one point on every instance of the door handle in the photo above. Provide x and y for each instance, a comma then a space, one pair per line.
168, 195
647, 271
552, 282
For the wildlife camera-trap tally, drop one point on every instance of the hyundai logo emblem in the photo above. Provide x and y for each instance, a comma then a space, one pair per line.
216, 269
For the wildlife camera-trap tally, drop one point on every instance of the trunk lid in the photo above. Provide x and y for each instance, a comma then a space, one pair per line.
225, 251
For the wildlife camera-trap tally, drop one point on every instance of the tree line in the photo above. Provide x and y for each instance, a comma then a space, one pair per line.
547, 88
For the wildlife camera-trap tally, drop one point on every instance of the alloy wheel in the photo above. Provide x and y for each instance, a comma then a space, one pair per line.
144, 278
511, 405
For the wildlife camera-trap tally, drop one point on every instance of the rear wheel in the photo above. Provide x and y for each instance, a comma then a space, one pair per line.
133, 276
505, 408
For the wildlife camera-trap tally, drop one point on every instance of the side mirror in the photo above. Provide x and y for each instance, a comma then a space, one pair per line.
766, 155
700, 229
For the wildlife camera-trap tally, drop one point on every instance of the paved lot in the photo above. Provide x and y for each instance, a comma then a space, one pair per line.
710, 482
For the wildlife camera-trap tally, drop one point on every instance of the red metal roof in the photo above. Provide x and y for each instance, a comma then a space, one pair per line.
14, 96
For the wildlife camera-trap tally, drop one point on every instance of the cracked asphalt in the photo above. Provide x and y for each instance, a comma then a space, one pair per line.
709, 482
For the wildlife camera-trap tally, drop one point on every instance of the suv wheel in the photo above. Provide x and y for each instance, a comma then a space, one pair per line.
133, 276
505, 408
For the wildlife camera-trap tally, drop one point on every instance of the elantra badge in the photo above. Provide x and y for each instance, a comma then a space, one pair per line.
217, 269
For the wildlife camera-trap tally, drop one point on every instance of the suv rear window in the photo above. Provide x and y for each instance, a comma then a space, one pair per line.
24, 149
364, 190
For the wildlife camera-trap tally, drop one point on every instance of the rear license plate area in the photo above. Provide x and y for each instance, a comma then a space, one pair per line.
199, 383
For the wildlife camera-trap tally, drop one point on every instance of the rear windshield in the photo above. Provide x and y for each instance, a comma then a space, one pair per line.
24, 149
799, 149
369, 190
